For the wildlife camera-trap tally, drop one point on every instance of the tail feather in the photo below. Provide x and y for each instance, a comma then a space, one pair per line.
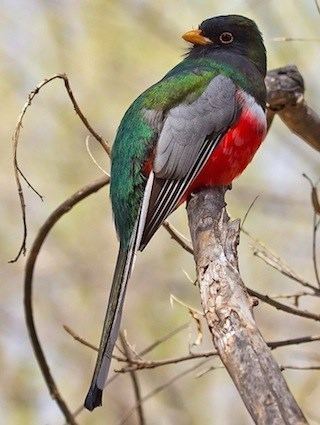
111, 326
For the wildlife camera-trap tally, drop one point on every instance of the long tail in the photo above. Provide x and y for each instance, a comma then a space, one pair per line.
111, 326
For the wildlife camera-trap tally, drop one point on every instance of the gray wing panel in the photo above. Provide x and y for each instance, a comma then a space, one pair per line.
188, 125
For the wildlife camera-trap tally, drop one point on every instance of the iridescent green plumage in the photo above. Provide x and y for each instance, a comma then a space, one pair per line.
136, 139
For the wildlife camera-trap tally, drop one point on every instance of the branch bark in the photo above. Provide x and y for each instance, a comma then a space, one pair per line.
228, 311
285, 97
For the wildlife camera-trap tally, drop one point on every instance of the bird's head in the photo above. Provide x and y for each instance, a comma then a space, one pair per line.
230, 33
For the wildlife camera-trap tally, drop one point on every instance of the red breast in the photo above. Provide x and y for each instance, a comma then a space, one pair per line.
236, 149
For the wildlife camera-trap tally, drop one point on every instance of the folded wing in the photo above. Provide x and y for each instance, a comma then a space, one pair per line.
188, 137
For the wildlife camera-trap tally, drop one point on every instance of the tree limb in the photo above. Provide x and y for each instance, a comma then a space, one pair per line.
228, 311
285, 97
15, 141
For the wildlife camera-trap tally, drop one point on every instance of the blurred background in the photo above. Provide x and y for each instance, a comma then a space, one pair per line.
111, 51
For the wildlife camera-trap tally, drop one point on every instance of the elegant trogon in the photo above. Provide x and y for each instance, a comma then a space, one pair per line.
199, 126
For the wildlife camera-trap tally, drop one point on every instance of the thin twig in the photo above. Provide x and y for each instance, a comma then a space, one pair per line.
140, 364
316, 211
248, 211
314, 248
15, 141
163, 339
284, 307
293, 367
80, 339
295, 297
264, 253
178, 237
152, 364
28, 280
293, 341
134, 380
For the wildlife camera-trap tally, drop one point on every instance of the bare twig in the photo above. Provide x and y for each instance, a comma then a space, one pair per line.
314, 248
134, 379
15, 141
163, 339
248, 211
141, 364
178, 237
294, 297
260, 250
293, 367
31, 260
316, 212
79, 338
284, 307
153, 364
293, 341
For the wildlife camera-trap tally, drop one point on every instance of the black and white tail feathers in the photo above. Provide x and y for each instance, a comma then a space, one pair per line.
111, 325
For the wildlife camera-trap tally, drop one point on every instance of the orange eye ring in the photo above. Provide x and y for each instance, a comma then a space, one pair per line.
226, 38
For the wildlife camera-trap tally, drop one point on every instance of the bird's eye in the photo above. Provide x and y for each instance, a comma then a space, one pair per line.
226, 38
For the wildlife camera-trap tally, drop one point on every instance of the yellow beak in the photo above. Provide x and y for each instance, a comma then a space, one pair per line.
196, 37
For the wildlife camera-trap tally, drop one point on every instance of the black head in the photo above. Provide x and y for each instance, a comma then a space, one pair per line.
230, 33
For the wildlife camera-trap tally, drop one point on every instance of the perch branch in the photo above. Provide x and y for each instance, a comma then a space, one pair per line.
228, 311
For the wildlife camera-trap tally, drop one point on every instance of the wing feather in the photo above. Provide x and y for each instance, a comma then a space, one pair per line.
167, 193
188, 136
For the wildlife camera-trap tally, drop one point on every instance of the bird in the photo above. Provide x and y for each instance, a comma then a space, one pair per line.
199, 126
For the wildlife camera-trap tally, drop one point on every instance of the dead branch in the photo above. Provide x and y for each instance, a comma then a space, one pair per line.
284, 307
178, 237
261, 251
28, 280
228, 311
285, 97
15, 141
315, 225
138, 363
